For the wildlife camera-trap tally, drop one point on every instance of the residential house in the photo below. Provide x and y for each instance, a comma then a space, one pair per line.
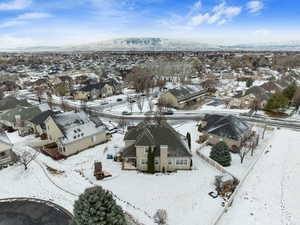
11, 102
230, 129
7, 156
170, 148
74, 132
38, 122
182, 96
272, 87
63, 79
244, 102
19, 118
98, 90
261, 95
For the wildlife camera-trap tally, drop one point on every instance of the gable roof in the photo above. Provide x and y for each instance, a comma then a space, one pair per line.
150, 134
259, 92
76, 126
229, 127
185, 91
26, 113
4, 138
11, 102
41, 118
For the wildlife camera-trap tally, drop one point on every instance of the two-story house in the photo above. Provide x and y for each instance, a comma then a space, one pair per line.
6, 154
182, 96
170, 148
74, 132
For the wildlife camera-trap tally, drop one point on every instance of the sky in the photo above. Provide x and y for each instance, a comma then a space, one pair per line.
25, 23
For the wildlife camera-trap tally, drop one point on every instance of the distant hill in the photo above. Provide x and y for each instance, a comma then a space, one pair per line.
161, 44
144, 44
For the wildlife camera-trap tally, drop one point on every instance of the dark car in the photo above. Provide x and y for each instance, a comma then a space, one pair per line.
169, 112
126, 113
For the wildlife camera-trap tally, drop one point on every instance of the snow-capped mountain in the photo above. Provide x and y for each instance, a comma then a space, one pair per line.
150, 44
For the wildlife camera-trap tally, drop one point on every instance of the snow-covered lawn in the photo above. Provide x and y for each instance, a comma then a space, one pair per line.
183, 194
238, 169
270, 193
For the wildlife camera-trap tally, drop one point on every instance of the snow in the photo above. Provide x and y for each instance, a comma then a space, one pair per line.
238, 169
183, 194
269, 194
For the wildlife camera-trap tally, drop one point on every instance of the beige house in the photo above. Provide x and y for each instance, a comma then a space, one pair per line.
182, 96
244, 102
6, 154
74, 132
98, 90
230, 129
170, 148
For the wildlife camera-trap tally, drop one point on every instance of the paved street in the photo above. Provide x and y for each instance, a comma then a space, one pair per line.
27, 212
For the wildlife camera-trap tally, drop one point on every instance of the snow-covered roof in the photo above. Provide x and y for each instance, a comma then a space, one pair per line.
76, 125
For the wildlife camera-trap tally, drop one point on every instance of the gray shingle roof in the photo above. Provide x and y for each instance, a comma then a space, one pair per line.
229, 127
149, 134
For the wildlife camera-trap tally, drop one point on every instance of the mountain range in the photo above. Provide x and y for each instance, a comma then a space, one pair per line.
160, 44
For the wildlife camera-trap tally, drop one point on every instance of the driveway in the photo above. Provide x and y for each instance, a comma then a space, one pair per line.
30, 212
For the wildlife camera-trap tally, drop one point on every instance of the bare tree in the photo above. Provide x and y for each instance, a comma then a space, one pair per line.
26, 158
161, 217
150, 103
39, 94
130, 104
244, 151
50, 100
140, 102
63, 103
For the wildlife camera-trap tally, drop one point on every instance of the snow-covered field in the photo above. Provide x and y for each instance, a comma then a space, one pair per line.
183, 194
270, 193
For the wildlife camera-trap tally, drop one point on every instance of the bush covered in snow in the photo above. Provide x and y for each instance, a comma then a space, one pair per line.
96, 206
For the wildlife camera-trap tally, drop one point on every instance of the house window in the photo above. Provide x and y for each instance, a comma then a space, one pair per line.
146, 150
170, 162
181, 162
143, 161
2, 154
156, 162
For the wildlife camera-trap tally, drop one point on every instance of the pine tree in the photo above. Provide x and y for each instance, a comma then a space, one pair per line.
96, 206
188, 137
220, 153
249, 82
151, 161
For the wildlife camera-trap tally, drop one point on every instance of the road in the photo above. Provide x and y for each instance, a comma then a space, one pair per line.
199, 115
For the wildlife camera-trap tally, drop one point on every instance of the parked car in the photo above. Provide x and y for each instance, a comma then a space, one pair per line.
104, 103
126, 113
119, 100
169, 112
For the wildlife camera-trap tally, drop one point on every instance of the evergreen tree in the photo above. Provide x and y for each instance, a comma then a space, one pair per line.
249, 82
277, 101
289, 92
188, 137
151, 161
220, 153
96, 206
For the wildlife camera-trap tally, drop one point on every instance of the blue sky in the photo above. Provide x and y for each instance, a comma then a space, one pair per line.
69, 22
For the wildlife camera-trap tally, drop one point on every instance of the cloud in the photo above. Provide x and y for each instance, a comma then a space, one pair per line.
30, 16
220, 15
255, 6
199, 19
15, 4
24, 18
